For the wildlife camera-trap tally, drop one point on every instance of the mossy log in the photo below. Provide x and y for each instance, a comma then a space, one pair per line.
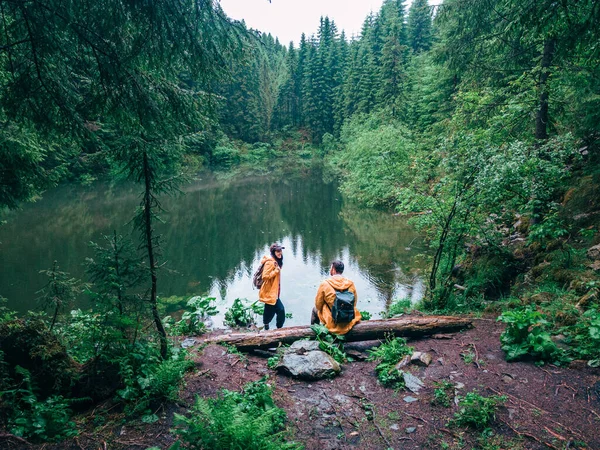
408, 326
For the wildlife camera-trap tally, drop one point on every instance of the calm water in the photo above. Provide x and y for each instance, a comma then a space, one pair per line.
214, 237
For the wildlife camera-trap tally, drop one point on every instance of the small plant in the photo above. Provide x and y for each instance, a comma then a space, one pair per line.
47, 420
236, 420
365, 315
273, 361
477, 411
192, 321
232, 350
330, 343
584, 336
397, 308
526, 336
389, 353
241, 314
442, 393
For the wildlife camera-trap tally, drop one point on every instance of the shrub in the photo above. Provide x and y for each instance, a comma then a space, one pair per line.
247, 420
585, 337
193, 320
526, 336
365, 315
477, 411
401, 306
442, 393
241, 314
330, 343
389, 353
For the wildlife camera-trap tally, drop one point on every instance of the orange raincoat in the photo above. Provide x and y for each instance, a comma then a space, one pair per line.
324, 302
269, 291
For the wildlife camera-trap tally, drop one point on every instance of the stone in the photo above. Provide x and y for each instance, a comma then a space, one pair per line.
403, 363
421, 359
459, 385
356, 355
188, 342
410, 430
440, 361
409, 399
303, 346
394, 427
301, 360
412, 383
594, 252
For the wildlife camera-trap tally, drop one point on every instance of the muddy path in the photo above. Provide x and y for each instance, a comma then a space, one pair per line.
546, 407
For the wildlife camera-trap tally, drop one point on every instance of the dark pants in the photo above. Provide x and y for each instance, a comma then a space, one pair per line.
271, 310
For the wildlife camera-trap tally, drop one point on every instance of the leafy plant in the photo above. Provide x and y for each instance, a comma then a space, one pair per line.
442, 393
389, 353
477, 411
526, 336
401, 306
365, 315
192, 321
236, 420
330, 343
241, 314
47, 420
584, 336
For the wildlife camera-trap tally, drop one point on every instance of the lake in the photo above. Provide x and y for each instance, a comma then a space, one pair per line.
214, 235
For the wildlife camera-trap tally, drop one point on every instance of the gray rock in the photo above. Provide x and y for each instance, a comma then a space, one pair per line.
410, 430
312, 365
303, 346
412, 383
394, 427
409, 399
459, 385
188, 342
403, 363
594, 252
421, 359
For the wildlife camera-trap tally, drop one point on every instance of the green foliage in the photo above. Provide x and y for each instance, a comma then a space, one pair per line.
59, 292
32, 418
526, 336
388, 354
477, 411
584, 336
241, 314
235, 420
399, 307
443, 393
148, 379
365, 315
330, 343
192, 321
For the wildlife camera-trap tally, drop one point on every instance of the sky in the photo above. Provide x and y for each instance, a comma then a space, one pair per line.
288, 19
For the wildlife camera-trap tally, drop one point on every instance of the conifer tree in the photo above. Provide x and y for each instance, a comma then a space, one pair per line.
419, 26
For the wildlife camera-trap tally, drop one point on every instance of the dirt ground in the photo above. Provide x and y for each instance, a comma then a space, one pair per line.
547, 407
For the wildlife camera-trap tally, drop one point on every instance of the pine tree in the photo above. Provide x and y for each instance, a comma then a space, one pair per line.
419, 26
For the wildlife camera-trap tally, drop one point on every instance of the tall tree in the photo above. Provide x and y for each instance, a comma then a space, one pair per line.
420, 26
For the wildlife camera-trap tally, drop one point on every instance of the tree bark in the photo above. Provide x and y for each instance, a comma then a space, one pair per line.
363, 331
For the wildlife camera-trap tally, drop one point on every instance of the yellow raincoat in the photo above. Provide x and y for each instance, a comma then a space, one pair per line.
324, 302
269, 291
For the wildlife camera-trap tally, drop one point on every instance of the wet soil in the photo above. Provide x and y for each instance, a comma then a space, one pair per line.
546, 407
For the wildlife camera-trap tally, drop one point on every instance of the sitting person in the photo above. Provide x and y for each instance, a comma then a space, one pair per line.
335, 303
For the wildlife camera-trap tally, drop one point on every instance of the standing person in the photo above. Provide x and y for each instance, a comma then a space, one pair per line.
270, 291
332, 293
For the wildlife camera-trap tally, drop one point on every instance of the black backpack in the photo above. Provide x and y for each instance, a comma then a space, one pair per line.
257, 279
343, 307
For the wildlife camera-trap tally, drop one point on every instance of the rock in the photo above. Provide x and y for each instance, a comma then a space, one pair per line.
188, 342
442, 336
394, 427
303, 346
459, 385
403, 362
441, 361
355, 354
507, 379
588, 298
303, 360
409, 399
410, 430
421, 359
412, 383
594, 252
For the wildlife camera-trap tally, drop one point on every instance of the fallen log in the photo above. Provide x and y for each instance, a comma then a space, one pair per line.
363, 331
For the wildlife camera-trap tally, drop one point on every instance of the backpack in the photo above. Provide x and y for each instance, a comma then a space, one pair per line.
257, 279
343, 307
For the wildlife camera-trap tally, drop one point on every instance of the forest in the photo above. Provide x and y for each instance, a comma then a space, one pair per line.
476, 121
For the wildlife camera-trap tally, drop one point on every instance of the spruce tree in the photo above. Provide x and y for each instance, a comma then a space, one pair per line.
419, 26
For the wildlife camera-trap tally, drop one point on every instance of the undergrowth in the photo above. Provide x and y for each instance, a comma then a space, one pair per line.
241, 314
388, 354
236, 420
193, 321
477, 411
330, 343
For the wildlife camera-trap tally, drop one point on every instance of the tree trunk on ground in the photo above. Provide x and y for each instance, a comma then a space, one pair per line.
363, 331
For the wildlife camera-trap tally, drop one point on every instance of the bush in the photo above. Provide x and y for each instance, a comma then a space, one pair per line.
389, 353
477, 411
241, 314
442, 393
247, 420
399, 307
38, 420
193, 320
330, 343
584, 336
526, 336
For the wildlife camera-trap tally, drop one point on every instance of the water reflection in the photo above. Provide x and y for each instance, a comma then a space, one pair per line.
215, 235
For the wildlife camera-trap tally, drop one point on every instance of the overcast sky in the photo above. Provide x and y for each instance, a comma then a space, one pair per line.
288, 19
